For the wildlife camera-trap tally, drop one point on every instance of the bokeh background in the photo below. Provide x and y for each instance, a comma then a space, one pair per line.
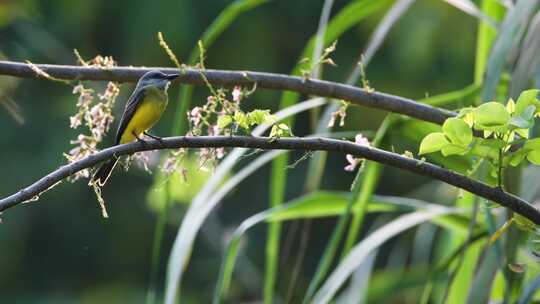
60, 250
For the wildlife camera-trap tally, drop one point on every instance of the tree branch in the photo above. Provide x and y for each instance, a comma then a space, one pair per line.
510, 201
271, 81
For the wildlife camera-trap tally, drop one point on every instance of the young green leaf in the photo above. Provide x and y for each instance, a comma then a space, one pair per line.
488, 148
257, 117
458, 132
525, 99
224, 121
524, 133
528, 113
452, 149
491, 114
533, 144
510, 106
432, 143
241, 119
534, 157
280, 130
520, 122
515, 159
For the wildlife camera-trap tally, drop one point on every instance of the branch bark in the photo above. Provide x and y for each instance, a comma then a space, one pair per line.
508, 200
271, 81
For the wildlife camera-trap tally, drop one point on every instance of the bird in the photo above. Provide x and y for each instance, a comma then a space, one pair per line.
142, 111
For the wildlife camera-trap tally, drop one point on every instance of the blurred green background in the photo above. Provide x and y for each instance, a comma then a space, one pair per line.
60, 250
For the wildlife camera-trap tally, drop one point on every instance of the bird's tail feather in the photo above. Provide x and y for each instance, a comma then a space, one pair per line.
102, 174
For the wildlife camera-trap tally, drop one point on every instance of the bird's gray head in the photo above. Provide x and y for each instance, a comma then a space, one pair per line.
156, 78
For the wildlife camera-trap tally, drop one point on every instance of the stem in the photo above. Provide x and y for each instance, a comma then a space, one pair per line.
271, 81
499, 175
421, 167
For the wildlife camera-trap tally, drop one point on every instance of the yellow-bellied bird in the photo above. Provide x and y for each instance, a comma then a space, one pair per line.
143, 109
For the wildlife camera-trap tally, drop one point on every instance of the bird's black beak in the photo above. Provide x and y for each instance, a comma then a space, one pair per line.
172, 76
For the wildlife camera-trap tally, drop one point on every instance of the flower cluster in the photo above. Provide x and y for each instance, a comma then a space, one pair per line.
353, 161
173, 162
95, 114
208, 118
341, 113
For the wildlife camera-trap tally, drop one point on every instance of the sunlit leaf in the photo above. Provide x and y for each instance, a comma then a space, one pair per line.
491, 114
457, 131
224, 121
534, 157
433, 142
452, 149
526, 99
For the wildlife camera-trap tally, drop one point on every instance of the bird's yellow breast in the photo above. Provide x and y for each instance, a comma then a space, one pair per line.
147, 114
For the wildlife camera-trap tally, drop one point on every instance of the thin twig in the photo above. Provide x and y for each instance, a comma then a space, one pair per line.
421, 167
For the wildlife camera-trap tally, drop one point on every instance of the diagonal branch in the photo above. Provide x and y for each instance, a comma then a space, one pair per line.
508, 200
271, 81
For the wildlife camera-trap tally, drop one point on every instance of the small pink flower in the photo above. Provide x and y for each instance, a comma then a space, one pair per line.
353, 162
195, 115
237, 94
220, 153
361, 140
75, 121
213, 130
332, 121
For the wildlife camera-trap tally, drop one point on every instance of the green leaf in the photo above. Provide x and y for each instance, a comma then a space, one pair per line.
532, 144
280, 130
257, 117
458, 131
224, 121
534, 157
525, 99
520, 122
511, 106
432, 143
528, 113
491, 114
241, 119
522, 132
488, 148
452, 149
464, 111
516, 159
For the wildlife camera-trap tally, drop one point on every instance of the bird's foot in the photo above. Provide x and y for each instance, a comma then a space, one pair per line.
160, 139
142, 141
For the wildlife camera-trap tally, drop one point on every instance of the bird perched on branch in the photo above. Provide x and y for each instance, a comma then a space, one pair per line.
143, 109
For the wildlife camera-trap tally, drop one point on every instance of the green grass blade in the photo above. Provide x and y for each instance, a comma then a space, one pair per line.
363, 193
485, 37
209, 197
157, 241
345, 19
218, 26
480, 288
465, 95
361, 251
512, 29
528, 293
467, 6
279, 175
464, 275
313, 205
332, 246
528, 60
